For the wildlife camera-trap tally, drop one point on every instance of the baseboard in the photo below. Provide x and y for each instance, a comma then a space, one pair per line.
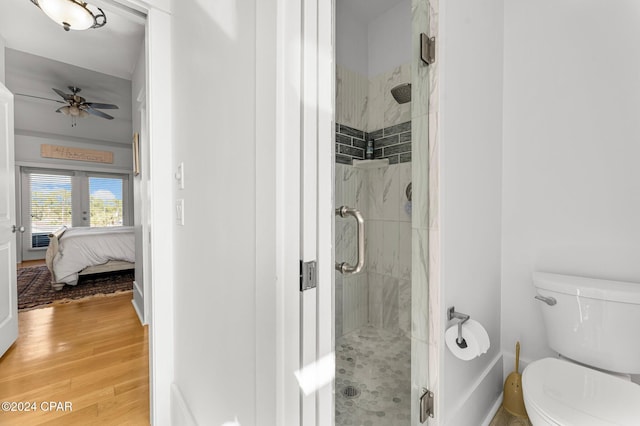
481, 397
138, 312
138, 302
180, 412
493, 411
136, 287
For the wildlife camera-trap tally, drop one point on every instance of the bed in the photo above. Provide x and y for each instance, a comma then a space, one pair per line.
82, 251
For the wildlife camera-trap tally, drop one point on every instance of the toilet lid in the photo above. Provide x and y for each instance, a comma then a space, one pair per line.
570, 394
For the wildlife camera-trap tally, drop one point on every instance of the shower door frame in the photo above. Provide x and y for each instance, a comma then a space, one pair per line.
425, 311
305, 134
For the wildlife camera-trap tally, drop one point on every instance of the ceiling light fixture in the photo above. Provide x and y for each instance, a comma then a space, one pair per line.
71, 14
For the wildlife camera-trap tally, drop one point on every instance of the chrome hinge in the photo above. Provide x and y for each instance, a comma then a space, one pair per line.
426, 405
427, 49
308, 275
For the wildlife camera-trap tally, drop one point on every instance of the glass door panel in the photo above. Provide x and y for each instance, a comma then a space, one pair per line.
380, 314
50, 201
105, 201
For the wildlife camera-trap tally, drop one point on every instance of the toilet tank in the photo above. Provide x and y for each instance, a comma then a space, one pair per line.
594, 322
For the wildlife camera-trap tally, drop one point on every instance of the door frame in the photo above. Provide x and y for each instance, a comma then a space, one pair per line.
159, 96
160, 131
304, 121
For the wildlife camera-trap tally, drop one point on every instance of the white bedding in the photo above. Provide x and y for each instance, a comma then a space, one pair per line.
80, 248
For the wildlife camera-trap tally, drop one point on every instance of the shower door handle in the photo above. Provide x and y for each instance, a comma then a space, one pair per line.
344, 268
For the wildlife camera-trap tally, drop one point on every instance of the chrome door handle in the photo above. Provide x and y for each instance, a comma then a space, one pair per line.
548, 300
17, 228
344, 268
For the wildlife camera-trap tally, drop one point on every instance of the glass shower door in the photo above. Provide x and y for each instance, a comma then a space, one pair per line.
381, 314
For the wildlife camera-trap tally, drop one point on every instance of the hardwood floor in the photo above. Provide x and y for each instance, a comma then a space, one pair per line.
31, 263
92, 354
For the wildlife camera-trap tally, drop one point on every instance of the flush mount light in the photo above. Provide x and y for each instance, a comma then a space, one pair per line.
71, 14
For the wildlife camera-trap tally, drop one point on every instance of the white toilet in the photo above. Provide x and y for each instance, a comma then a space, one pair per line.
593, 324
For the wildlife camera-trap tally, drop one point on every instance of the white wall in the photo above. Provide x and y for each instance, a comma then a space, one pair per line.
2, 46
389, 39
571, 189
351, 36
374, 47
140, 190
224, 279
470, 200
27, 152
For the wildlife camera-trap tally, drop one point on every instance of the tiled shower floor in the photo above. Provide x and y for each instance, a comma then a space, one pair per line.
378, 364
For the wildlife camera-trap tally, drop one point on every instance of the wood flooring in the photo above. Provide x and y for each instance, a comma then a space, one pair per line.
91, 353
31, 263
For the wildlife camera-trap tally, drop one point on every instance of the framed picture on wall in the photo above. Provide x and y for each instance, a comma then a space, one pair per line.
136, 154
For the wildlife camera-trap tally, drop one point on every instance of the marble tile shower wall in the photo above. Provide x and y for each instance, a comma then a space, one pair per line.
382, 108
381, 294
351, 292
352, 98
388, 247
366, 103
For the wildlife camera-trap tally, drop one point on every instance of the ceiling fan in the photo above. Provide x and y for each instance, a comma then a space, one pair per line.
77, 106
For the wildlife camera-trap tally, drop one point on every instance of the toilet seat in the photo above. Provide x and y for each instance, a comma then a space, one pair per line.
558, 392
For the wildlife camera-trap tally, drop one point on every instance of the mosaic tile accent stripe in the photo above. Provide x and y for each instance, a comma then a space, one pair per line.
350, 144
393, 142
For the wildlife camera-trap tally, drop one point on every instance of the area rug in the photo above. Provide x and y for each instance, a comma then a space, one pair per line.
34, 287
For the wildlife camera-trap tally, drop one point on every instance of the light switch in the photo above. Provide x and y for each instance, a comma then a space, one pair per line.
179, 175
180, 211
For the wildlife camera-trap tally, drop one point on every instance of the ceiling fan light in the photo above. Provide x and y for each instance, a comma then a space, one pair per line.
71, 14
65, 110
83, 113
74, 110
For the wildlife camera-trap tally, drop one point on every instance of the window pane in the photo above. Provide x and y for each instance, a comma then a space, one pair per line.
50, 206
105, 198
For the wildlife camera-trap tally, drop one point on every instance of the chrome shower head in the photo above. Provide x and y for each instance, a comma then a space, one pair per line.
402, 93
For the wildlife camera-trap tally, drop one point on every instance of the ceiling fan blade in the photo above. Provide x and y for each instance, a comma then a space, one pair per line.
101, 106
97, 113
64, 96
40, 97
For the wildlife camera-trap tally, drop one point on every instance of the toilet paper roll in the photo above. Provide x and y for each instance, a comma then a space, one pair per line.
474, 334
476, 329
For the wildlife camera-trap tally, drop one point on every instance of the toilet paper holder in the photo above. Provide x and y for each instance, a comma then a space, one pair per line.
452, 314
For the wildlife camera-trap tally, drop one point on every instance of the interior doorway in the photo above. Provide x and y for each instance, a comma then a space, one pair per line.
373, 174
93, 185
381, 314
129, 184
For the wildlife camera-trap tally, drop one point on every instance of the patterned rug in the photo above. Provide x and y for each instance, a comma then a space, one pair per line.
34, 287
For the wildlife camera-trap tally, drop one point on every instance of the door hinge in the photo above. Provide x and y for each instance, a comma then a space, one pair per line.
308, 275
427, 49
426, 405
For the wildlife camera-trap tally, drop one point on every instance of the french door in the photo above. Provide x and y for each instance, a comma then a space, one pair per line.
54, 198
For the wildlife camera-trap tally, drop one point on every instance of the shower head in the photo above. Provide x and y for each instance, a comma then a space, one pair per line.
402, 93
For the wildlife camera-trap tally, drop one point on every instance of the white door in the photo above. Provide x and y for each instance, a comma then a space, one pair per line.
8, 290
317, 207
305, 111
